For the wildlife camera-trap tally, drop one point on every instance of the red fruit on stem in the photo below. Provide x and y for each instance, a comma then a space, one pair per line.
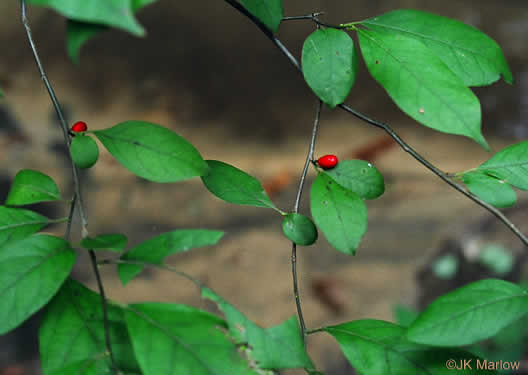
79, 126
327, 161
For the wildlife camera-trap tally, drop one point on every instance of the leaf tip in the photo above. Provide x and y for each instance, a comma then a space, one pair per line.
479, 138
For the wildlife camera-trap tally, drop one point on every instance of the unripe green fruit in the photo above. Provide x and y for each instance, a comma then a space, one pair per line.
84, 151
299, 229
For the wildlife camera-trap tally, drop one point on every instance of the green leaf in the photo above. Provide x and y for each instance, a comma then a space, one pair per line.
421, 84
175, 339
330, 64
138, 4
152, 151
278, 347
112, 242
404, 315
299, 229
375, 347
469, 314
85, 367
509, 165
72, 335
340, 213
113, 13
508, 345
31, 272
31, 186
84, 151
17, 223
235, 186
473, 56
269, 12
490, 189
78, 33
359, 176
156, 249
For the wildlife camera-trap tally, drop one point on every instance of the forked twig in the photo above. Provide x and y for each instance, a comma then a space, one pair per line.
444, 176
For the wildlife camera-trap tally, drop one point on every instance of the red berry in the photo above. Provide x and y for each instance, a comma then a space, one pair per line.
79, 126
327, 161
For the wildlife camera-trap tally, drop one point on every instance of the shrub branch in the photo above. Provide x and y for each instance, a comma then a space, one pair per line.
77, 200
442, 175
309, 159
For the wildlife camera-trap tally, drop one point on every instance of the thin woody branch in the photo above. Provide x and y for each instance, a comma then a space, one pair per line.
442, 175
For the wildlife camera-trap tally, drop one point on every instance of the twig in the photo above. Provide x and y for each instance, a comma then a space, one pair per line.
387, 129
60, 115
315, 18
77, 198
266, 32
166, 267
106, 325
70, 218
309, 159
305, 17
444, 176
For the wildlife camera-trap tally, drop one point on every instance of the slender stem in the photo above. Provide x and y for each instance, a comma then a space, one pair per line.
70, 218
315, 18
104, 306
166, 267
305, 17
309, 159
77, 198
312, 331
235, 4
60, 220
439, 173
60, 115
310, 155
106, 323
296, 294
387, 129
328, 25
